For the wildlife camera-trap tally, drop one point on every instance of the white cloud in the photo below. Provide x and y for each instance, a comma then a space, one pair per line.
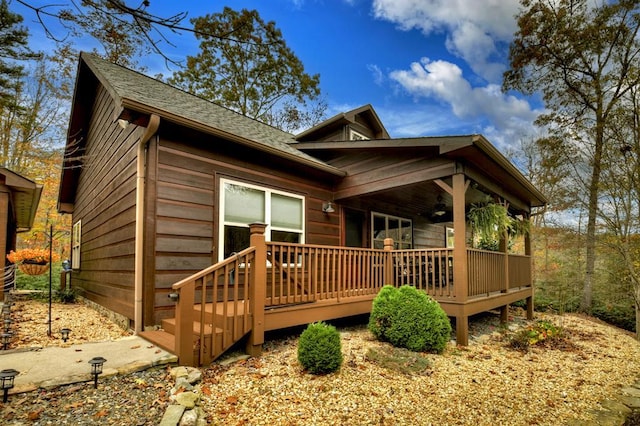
378, 76
474, 28
510, 117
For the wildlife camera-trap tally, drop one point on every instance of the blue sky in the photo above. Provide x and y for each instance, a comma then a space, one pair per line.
428, 67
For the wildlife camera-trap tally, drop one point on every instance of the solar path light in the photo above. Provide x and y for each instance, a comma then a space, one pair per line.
6, 378
96, 369
65, 334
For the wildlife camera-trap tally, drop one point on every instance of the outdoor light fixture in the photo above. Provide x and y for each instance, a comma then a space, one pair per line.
65, 334
328, 207
7, 324
6, 339
7, 376
96, 368
174, 297
439, 209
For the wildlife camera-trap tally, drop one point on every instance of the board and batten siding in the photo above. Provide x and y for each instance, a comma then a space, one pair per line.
105, 204
186, 204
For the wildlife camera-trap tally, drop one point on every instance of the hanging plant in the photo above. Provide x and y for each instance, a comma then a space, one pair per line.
489, 220
31, 256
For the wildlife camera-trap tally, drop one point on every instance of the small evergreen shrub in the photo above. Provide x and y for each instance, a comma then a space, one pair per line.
409, 318
320, 349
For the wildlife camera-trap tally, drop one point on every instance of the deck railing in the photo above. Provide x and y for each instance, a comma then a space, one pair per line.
430, 270
298, 273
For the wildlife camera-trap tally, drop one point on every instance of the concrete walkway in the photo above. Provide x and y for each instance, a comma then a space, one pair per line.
50, 367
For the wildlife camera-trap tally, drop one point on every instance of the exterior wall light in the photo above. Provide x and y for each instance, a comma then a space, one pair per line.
96, 368
327, 207
7, 378
174, 297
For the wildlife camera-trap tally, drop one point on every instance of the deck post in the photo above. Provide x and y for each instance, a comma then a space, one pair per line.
257, 288
184, 326
388, 262
460, 272
527, 252
462, 330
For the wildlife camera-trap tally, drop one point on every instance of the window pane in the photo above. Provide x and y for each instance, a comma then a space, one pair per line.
394, 229
379, 228
242, 204
285, 237
236, 239
406, 232
286, 212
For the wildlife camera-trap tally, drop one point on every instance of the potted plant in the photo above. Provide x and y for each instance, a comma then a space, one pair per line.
32, 261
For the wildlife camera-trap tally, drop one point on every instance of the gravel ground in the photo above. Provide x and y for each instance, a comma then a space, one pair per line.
486, 383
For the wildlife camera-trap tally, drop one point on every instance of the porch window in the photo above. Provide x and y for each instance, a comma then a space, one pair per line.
387, 226
242, 204
76, 238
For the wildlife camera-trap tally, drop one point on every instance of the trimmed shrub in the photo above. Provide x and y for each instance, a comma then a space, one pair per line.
409, 318
320, 348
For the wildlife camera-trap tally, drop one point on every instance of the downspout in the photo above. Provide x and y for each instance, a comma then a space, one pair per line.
152, 128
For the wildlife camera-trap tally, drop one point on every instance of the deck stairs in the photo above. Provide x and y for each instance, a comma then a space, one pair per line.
231, 322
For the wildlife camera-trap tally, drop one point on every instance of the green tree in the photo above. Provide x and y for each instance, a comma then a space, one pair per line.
583, 59
252, 72
13, 47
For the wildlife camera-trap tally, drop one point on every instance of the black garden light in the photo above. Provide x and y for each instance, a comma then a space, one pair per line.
6, 339
6, 377
7, 324
65, 334
96, 369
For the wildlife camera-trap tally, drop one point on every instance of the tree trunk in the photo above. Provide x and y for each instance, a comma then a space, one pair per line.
592, 211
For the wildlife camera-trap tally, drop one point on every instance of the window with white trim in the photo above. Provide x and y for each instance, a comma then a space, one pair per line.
387, 226
242, 204
76, 239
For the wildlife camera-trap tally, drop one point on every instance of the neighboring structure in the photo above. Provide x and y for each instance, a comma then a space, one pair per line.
163, 184
19, 199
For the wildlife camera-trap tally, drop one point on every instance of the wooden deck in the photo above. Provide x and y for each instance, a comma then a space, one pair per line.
271, 286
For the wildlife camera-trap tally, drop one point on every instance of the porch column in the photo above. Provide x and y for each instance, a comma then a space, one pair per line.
257, 288
527, 252
460, 271
504, 248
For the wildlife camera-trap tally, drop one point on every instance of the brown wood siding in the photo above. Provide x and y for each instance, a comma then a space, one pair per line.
188, 177
106, 205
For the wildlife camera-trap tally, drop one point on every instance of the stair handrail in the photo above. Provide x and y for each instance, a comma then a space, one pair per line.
185, 301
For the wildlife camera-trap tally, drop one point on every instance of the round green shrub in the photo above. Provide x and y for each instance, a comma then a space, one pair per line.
320, 348
409, 318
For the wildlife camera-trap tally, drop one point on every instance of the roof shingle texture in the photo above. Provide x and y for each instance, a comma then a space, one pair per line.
169, 101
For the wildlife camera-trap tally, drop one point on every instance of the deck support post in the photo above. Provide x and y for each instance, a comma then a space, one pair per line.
504, 314
528, 251
388, 262
257, 288
462, 330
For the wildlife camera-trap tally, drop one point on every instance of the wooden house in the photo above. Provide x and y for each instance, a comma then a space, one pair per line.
19, 199
200, 226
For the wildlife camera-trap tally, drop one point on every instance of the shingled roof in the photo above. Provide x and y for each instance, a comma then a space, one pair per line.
137, 92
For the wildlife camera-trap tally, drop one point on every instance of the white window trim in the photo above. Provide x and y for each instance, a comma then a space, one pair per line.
76, 244
267, 205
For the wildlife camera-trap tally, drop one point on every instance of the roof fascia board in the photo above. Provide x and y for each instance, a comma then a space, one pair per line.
437, 141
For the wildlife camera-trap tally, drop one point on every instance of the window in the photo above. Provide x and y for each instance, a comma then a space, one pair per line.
387, 226
356, 136
243, 204
76, 239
